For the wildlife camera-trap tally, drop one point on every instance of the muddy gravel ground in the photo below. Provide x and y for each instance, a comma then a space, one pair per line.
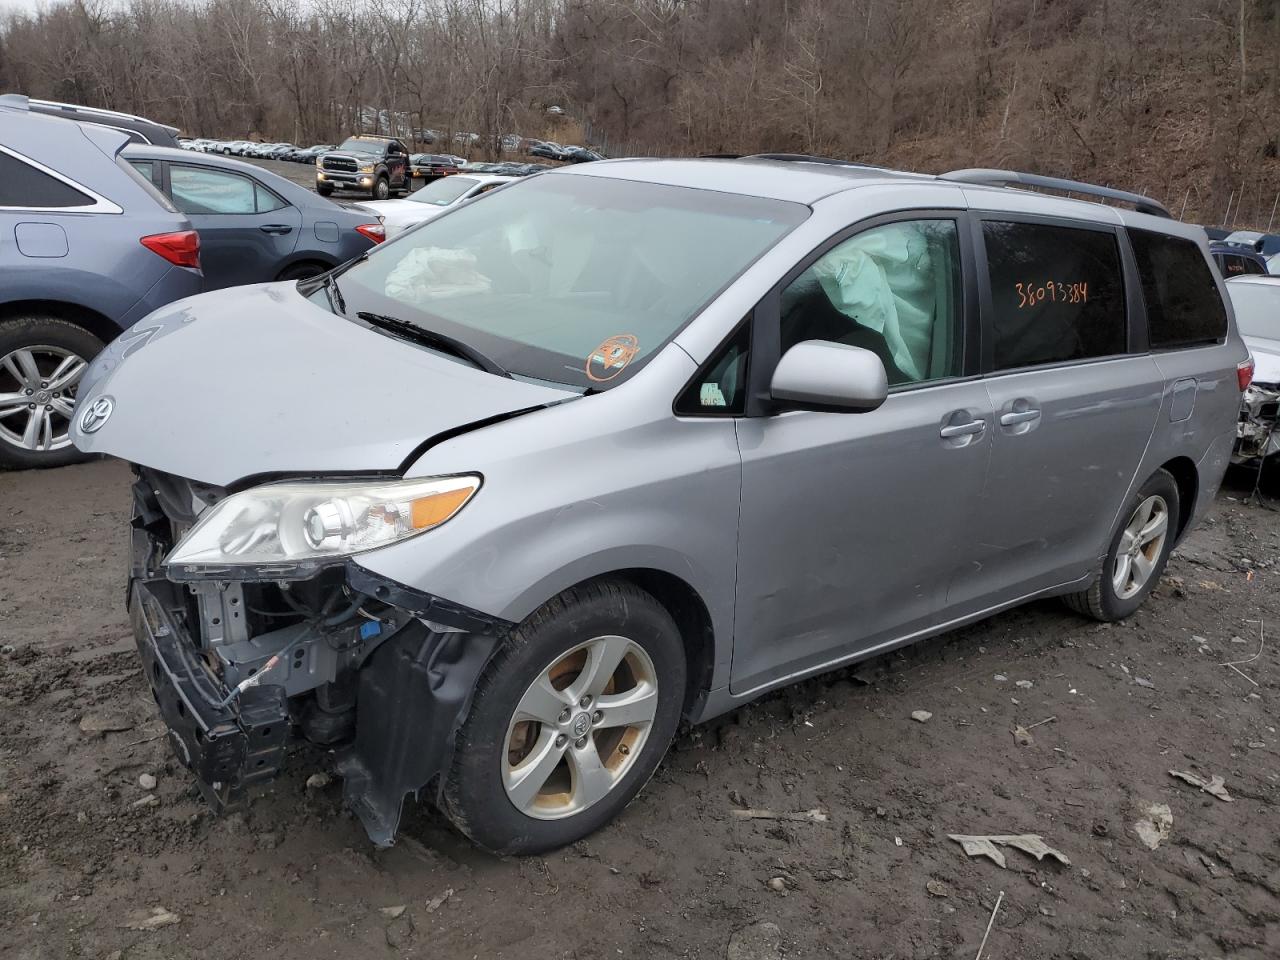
85, 858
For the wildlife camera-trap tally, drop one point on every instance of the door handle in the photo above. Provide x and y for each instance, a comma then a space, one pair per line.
962, 429
1019, 416
276, 228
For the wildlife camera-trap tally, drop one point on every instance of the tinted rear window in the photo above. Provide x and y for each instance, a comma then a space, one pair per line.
1183, 305
1057, 293
22, 185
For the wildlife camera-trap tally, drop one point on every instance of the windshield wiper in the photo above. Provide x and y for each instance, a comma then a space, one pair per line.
436, 341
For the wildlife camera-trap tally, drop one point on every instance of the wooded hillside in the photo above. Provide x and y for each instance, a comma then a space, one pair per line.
1176, 98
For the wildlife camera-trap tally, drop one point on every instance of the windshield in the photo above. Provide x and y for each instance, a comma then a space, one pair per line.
575, 280
354, 145
441, 193
1257, 307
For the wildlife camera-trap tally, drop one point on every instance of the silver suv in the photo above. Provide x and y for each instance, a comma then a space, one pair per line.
494, 507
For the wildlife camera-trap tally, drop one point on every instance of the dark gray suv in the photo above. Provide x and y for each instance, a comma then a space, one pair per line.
88, 248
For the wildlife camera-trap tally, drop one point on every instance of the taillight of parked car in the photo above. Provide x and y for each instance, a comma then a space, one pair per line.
181, 249
374, 231
1244, 374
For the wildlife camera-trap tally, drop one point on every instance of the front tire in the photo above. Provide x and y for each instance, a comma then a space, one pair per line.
42, 359
381, 189
324, 189
1137, 554
569, 720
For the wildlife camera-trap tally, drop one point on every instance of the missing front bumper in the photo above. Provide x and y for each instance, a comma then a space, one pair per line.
1256, 434
228, 749
406, 678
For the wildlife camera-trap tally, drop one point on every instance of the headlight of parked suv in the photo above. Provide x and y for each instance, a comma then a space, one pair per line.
296, 527
366, 168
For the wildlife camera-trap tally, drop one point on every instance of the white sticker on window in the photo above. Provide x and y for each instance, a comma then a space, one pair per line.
711, 395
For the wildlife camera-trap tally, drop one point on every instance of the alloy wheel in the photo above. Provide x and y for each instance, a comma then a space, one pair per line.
37, 396
1140, 546
579, 728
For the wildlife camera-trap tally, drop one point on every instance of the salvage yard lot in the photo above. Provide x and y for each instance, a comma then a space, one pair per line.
84, 855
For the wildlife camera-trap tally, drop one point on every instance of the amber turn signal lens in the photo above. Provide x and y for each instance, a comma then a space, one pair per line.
436, 509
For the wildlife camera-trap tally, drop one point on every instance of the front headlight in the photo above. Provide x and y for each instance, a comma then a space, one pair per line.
366, 168
296, 527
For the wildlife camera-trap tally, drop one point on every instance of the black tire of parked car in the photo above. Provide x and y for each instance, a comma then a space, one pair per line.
381, 188
474, 796
32, 330
324, 189
302, 271
1100, 601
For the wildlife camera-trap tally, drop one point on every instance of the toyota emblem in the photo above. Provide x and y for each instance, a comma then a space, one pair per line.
96, 414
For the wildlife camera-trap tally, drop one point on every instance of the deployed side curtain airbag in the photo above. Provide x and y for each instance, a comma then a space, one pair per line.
884, 280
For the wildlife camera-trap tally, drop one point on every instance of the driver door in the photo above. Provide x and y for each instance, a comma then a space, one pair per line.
852, 524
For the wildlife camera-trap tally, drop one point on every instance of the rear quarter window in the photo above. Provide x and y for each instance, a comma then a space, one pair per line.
1184, 308
23, 186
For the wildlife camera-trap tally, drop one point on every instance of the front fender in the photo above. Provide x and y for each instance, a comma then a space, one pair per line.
581, 489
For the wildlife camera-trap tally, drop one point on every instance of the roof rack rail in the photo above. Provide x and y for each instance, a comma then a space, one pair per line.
102, 112
805, 158
1003, 178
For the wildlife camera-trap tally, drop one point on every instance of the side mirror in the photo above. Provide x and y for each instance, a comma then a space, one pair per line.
822, 375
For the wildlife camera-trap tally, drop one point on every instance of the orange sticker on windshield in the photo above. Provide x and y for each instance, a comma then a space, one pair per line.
610, 358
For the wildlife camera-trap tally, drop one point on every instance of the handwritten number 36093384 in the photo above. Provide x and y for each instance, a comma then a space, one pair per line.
1030, 294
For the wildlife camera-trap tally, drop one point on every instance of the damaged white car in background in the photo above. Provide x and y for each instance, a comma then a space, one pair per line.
1256, 300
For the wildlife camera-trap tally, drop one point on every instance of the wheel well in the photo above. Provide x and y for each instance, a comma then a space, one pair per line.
1184, 474
100, 326
306, 262
691, 617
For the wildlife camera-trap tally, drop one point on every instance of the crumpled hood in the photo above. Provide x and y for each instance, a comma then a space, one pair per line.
1266, 360
257, 379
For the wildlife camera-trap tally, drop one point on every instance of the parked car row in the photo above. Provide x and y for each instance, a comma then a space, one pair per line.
432, 166
551, 150
254, 150
510, 143
107, 227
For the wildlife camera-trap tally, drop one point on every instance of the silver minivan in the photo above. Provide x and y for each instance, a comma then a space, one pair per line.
492, 508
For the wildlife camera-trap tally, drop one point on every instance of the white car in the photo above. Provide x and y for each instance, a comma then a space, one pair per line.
399, 215
1256, 301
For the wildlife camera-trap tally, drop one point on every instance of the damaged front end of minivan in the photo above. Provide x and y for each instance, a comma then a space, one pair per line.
245, 641
1256, 434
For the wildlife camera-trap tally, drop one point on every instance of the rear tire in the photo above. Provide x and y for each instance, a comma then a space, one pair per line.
49, 343
302, 271
1137, 554
522, 786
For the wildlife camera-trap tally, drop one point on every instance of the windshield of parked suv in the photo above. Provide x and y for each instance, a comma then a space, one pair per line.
441, 193
575, 280
356, 145
1257, 308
